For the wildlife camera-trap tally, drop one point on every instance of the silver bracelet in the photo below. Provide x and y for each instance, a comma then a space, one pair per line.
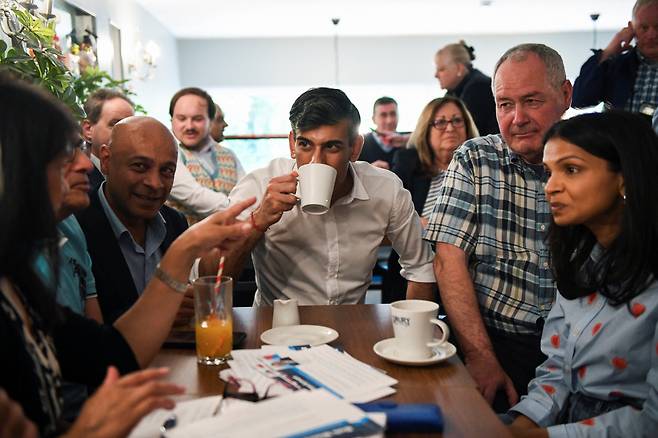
167, 279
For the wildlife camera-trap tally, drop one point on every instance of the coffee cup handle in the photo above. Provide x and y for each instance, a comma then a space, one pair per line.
446, 333
297, 193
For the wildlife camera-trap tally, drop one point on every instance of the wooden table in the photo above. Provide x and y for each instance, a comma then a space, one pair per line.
360, 326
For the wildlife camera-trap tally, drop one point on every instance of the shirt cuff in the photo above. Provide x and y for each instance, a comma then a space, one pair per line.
420, 274
559, 431
534, 411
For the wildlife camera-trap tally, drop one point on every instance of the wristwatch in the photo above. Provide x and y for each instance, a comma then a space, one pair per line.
167, 279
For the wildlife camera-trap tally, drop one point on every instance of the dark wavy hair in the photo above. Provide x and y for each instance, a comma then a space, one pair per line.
323, 106
34, 130
627, 266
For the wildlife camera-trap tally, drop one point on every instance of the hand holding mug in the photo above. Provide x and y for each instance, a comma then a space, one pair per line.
279, 198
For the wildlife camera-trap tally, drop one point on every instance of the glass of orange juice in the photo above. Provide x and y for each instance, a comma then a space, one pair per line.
213, 314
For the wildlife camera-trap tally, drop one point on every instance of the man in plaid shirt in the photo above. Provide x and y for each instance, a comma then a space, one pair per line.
489, 223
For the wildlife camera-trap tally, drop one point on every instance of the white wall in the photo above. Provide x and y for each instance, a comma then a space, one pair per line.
137, 24
363, 60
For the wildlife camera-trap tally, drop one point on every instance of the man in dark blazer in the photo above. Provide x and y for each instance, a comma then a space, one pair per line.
379, 147
104, 108
127, 226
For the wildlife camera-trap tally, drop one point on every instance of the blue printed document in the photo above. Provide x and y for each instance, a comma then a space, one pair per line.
280, 370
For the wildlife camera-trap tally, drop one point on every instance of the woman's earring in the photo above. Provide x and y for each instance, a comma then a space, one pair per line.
623, 196
292, 155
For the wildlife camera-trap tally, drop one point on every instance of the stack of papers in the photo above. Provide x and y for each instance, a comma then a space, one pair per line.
299, 414
315, 413
278, 370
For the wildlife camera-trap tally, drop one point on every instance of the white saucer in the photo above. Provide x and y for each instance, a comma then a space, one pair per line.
387, 349
299, 335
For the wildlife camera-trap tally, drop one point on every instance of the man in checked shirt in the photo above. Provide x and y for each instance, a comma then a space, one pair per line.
489, 224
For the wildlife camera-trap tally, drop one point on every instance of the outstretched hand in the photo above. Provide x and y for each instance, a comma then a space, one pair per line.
220, 230
394, 139
121, 402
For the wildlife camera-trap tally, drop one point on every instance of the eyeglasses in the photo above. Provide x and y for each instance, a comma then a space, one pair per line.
82, 145
442, 124
233, 388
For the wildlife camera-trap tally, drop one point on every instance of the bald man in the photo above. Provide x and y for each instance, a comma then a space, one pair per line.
127, 226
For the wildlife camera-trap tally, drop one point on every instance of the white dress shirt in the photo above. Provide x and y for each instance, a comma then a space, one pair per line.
328, 259
96, 162
188, 192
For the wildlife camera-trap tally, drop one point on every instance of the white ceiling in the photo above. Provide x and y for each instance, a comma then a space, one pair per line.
267, 18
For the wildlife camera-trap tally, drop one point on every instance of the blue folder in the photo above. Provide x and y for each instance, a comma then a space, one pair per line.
408, 417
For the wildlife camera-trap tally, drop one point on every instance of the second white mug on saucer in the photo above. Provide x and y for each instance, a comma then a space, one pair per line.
413, 326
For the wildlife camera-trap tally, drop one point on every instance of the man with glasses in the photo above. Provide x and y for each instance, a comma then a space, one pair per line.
76, 286
489, 224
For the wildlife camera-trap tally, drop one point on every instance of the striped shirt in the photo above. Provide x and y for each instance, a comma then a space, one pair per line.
492, 206
433, 193
645, 89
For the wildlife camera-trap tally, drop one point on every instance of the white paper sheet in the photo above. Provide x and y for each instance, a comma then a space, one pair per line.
294, 413
186, 412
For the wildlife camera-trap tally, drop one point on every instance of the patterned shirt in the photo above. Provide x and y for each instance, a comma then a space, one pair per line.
42, 404
76, 279
433, 193
492, 206
214, 167
605, 352
645, 89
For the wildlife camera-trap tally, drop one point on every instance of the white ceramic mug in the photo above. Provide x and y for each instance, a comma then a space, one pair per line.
413, 325
285, 312
316, 187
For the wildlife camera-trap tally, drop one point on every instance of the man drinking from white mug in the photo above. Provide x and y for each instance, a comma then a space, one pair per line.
318, 256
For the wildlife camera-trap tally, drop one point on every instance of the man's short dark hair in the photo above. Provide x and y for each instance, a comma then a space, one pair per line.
323, 106
197, 92
94, 104
384, 100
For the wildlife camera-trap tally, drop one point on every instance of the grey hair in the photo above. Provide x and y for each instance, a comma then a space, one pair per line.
460, 53
640, 3
551, 59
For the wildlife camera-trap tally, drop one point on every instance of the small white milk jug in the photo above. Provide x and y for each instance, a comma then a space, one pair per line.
285, 313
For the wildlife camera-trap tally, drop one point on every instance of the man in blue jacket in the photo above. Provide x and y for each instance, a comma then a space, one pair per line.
624, 76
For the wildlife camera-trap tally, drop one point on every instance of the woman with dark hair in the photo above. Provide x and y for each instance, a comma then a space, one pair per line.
43, 342
443, 125
601, 336
456, 74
